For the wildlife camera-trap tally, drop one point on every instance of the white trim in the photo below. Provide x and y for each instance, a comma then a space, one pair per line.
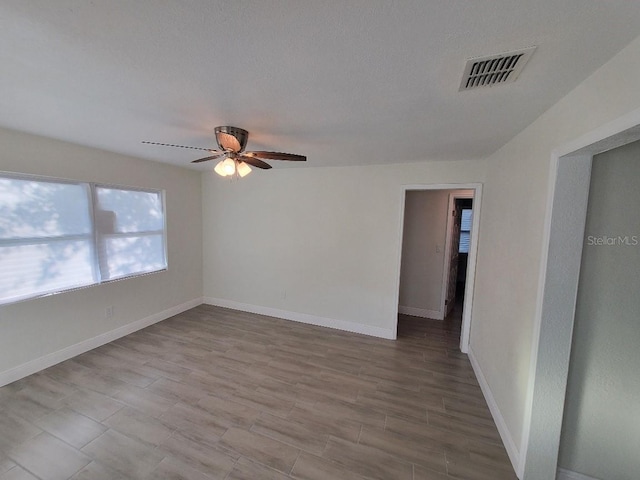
421, 312
592, 141
501, 424
465, 334
441, 186
558, 311
304, 318
537, 324
33, 366
472, 259
615, 133
400, 230
569, 475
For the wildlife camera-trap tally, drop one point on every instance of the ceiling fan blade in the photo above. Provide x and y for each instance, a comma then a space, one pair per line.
182, 146
255, 162
278, 156
206, 159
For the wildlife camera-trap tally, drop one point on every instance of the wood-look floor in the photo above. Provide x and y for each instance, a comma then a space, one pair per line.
214, 393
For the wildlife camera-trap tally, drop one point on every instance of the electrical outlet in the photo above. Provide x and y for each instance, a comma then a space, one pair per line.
108, 312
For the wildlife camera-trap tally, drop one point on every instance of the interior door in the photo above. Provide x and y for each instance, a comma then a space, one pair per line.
453, 258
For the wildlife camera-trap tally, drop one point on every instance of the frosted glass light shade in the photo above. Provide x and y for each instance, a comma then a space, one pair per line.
229, 166
219, 169
243, 169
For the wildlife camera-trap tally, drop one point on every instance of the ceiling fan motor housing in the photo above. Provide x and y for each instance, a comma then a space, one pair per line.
228, 144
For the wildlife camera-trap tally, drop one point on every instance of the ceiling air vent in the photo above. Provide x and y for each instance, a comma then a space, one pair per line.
494, 69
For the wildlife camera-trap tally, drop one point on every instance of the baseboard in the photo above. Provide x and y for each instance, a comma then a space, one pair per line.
304, 318
505, 434
33, 366
420, 312
569, 475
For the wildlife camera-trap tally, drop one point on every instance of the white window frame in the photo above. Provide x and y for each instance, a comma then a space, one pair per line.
94, 236
100, 236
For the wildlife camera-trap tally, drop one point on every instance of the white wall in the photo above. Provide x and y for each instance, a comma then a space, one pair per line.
423, 241
36, 331
503, 333
601, 427
315, 244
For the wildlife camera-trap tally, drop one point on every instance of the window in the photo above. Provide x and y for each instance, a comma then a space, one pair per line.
465, 230
130, 231
57, 235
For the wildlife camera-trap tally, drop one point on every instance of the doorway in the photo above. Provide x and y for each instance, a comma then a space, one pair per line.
555, 309
435, 253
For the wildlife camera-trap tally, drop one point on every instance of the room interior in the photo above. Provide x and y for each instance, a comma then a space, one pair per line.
319, 242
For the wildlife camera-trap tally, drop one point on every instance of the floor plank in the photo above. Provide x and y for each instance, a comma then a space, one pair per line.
214, 393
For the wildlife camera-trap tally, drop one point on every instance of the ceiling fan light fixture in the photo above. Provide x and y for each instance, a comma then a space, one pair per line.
235, 161
243, 169
219, 169
231, 167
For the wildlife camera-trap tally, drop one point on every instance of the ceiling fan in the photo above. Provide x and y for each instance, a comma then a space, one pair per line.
234, 160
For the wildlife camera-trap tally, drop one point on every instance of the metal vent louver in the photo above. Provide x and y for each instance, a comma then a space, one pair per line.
494, 69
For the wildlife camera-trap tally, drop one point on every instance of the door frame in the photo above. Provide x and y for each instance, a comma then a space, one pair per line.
465, 333
447, 246
564, 228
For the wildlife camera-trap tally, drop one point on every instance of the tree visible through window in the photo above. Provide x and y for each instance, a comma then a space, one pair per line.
57, 235
131, 240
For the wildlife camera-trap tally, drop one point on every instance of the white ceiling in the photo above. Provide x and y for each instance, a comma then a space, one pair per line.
345, 82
